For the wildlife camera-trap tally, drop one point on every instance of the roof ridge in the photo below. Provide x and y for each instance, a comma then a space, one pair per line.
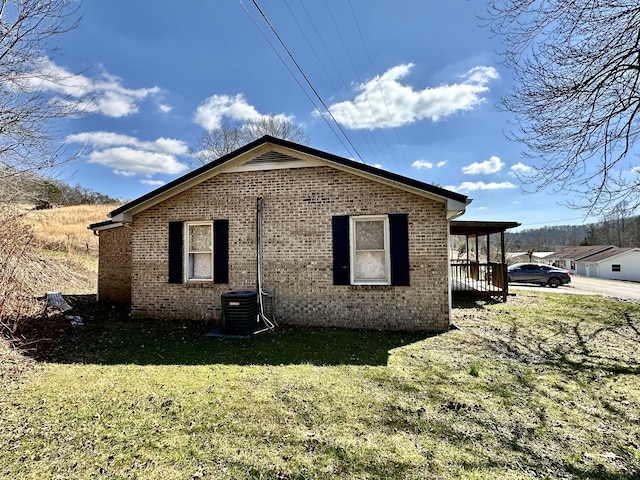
329, 157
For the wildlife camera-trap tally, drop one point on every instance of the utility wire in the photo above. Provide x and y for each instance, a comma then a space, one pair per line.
355, 71
313, 89
295, 78
319, 60
373, 70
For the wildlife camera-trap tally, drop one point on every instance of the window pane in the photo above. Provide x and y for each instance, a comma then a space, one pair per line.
200, 265
370, 235
200, 238
370, 266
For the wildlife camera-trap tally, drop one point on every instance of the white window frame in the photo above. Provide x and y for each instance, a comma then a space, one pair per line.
387, 251
188, 252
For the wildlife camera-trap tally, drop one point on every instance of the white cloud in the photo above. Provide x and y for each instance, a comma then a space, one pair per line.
169, 145
155, 183
419, 164
493, 165
104, 94
209, 115
129, 156
110, 139
384, 102
635, 169
472, 186
128, 161
422, 164
125, 173
521, 169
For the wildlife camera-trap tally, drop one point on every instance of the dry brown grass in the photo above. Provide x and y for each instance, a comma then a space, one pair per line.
41, 251
65, 229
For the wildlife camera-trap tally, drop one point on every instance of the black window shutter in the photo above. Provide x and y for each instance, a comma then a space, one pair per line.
340, 232
175, 252
399, 235
221, 251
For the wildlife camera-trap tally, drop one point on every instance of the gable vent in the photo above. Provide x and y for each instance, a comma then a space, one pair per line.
272, 158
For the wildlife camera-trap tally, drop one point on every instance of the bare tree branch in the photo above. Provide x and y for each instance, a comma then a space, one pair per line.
27, 112
577, 96
216, 143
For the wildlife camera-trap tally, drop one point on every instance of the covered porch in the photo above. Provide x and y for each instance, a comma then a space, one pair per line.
482, 270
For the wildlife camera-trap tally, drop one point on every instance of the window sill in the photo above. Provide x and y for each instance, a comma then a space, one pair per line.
383, 288
200, 284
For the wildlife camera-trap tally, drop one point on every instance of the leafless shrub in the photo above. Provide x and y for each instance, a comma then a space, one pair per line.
18, 272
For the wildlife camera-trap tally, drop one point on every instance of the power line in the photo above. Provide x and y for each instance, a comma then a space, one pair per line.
319, 60
555, 221
304, 76
291, 73
373, 71
355, 71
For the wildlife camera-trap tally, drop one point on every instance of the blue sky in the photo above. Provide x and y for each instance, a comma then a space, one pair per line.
412, 87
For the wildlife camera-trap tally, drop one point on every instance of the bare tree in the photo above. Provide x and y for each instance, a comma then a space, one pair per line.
27, 112
577, 95
216, 143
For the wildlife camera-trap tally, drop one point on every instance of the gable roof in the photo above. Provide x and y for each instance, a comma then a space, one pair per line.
270, 152
609, 253
578, 253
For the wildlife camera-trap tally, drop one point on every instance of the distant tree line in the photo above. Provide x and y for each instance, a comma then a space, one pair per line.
615, 229
36, 189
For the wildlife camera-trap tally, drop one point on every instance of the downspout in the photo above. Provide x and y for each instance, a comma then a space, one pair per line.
269, 324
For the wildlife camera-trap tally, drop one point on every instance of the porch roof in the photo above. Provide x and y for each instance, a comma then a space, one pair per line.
472, 228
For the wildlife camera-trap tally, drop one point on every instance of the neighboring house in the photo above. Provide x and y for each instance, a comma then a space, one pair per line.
568, 257
342, 243
601, 261
537, 257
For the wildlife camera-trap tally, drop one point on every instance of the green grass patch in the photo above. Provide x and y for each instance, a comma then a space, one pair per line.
543, 386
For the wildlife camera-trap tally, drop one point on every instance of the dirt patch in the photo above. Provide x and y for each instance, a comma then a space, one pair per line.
13, 364
36, 337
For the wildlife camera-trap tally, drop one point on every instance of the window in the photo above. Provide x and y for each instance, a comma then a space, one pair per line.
370, 262
371, 250
199, 251
615, 268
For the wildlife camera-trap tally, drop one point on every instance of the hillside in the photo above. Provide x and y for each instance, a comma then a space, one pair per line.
65, 229
622, 231
41, 251
67, 249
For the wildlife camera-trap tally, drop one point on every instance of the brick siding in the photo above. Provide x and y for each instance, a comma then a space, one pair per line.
114, 265
298, 207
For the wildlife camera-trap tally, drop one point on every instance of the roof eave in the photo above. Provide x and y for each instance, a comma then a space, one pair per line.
109, 224
455, 202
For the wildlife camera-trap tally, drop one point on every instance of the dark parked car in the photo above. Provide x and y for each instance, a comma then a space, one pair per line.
538, 273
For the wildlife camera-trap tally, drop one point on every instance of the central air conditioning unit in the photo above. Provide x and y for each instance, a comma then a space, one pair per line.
240, 312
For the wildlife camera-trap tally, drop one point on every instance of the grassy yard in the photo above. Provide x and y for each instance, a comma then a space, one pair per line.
544, 386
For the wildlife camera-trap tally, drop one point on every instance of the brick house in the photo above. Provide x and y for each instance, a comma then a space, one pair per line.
342, 243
